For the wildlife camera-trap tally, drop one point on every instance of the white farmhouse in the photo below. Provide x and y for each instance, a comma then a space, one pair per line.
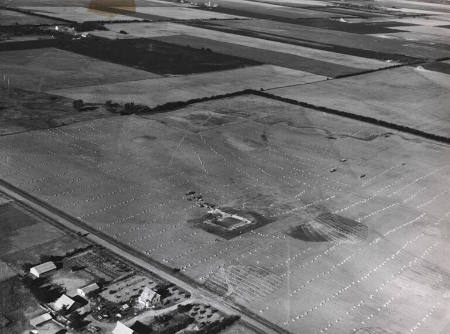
149, 298
63, 302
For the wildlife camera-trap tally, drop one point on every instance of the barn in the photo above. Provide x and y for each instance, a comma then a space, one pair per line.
42, 269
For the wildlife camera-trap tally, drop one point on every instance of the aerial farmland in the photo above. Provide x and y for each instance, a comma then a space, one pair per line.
226, 166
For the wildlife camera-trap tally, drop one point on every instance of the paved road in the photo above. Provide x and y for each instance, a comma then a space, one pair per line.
54, 215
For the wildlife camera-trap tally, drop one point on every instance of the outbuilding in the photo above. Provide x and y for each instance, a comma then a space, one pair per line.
121, 328
42, 269
84, 291
64, 302
39, 320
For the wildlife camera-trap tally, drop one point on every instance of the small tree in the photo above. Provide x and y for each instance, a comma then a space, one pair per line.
78, 104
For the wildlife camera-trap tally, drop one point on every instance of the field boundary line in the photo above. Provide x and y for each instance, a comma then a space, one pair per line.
361, 118
171, 106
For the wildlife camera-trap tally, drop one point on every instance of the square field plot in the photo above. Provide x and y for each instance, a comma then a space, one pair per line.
50, 68
377, 198
407, 96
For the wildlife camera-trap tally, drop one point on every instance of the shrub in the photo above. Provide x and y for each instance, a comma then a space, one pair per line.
78, 104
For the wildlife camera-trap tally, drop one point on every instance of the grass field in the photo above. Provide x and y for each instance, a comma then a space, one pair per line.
179, 13
76, 13
318, 223
50, 68
282, 53
90, 62
21, 230
182, 88
299, 58
426, 39
38, 110
273, 11
238, 328
332, 40
25, 238
10, 17
425, 96
127, 176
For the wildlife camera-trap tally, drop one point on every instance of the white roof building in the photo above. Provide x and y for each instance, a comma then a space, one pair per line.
63, 301
149, 297
122, 329
84, 291
43, 268
39, 320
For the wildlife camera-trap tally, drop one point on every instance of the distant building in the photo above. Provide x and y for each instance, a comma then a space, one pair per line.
64, 302
122, 329
84, 291
149, 298
43, 268
43, 318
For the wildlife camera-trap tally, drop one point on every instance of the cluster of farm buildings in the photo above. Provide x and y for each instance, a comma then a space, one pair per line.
59, 310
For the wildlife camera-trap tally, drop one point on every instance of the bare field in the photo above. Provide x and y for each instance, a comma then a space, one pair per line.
128, 176
154, 57
424, 103
181, 88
